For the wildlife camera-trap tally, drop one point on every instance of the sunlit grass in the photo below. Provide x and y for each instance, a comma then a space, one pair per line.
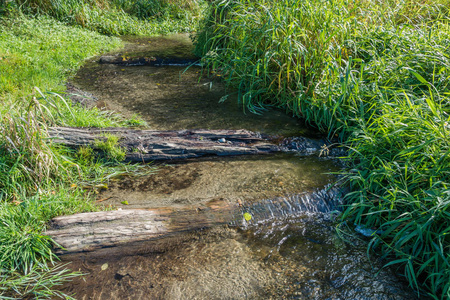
117, 17
375, 75
110, 148
39, 181
43, 52
27, 264
41, 282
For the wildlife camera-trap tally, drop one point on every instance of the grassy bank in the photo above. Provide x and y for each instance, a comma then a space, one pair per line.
375, 75
41, 44
116, 17
37, 180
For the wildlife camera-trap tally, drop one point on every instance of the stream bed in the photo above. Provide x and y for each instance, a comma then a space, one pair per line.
290, 249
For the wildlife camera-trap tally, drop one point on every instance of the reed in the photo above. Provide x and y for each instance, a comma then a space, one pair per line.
373, 74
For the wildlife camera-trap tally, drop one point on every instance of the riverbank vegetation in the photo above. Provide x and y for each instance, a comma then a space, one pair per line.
373, 74
42, 43
376, 76
116, 17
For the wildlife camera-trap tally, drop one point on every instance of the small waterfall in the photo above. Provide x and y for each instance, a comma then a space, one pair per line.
322, 201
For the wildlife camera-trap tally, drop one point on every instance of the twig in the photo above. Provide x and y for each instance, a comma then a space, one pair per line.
104, 199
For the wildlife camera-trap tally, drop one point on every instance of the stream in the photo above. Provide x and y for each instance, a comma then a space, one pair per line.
289, 249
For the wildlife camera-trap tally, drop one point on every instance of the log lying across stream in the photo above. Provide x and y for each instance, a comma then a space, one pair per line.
152, 145
146, 61
99, 232
87, 232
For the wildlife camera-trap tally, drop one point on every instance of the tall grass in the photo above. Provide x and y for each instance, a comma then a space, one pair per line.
118, 17
28, 266
374, 74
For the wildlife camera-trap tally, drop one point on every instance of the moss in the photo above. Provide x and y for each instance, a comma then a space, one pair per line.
110, 147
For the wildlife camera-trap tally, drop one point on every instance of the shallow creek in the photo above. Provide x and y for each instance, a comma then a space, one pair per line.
288, 250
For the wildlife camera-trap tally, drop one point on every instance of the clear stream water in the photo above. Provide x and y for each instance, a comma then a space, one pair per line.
290, 248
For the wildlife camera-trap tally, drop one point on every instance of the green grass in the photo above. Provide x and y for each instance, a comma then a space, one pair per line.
375, 75
27, 263
41, 282
22, 243
39, 181
43, 52
117, 17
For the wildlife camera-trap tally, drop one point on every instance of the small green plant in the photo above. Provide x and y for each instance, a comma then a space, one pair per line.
135, 121
85, 155
110, 147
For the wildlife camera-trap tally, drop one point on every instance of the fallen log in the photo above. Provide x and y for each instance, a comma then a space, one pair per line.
152, 145
95, 231
87, 232
146, 61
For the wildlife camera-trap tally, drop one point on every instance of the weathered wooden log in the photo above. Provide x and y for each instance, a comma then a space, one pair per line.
151, 145
95, 230
88, 232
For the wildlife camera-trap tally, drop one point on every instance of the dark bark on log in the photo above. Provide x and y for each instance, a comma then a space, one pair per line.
151, 145
146, 61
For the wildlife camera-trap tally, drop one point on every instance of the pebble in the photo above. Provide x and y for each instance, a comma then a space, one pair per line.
222, 140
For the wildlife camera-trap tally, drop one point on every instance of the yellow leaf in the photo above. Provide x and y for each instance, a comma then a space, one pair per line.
104, 266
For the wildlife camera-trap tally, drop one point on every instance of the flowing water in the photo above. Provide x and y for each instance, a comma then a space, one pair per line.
289, 249
245, 179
